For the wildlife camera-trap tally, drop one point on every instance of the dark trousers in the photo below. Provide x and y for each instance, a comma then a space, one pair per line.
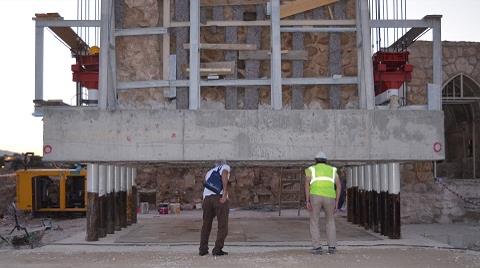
212, 207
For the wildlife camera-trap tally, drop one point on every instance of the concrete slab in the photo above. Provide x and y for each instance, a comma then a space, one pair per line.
244, 227
88, 134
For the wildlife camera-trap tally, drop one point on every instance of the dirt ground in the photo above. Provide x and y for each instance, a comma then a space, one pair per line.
357, 257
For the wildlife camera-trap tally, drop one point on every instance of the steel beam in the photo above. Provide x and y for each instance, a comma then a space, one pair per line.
141, 31
317, 29
104, 56
366, 54
437, 53
348, 80
194, 88
39, 63
68, 23
401, 23
276, 61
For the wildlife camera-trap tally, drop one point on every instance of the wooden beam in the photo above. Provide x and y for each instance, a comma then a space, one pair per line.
69, 36
224, 46
300, 6
265, 55
232, 2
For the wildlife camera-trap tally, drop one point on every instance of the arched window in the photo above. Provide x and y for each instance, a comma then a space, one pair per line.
461, 106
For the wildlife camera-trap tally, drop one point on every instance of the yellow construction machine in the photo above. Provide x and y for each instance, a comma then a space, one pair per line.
51, 191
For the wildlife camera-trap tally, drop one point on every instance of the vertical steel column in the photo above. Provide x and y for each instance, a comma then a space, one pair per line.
368, 196
355, 196
117, 199
110, 202
92, 202
276, 59
194, 89
383, 199
361, 189
360, 72
112, 68
437, 56
181, 37
39, 63
367, 55
376, 197
134, 194
102, 189
349, 194
129, 196
123, 197
394, 193
104, 53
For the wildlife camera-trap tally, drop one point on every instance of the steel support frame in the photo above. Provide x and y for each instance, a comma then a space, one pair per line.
433, 22
39, 51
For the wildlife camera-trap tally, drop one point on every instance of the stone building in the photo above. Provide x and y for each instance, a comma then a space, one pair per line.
279, 92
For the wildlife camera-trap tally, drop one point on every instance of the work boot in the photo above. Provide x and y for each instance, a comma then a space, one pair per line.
332, 250
317, 251
219, 253
203, 253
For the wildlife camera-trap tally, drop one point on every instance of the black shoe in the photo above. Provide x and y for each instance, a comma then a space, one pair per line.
332, 250
317, 251
203, 253
219, 253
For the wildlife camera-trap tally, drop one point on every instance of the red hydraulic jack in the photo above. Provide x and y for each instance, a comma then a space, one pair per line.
390, 71
85, 71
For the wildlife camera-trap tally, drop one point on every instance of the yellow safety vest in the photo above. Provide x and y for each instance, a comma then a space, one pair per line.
322, 180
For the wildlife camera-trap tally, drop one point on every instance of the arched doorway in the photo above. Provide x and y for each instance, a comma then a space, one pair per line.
461, 105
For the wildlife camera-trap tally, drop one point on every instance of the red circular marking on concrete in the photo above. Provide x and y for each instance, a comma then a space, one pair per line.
47, 149
174, 135
437, 147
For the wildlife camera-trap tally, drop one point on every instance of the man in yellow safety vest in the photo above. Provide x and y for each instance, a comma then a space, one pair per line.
321, 193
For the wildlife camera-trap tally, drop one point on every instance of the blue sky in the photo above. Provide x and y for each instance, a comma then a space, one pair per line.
21, 132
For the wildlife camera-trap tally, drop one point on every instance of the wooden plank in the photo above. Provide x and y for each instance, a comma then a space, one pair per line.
66, 34
300, 6
218, 67
232, 2
265, 55
224, 46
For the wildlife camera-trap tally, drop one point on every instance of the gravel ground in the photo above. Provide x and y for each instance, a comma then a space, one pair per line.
138, 257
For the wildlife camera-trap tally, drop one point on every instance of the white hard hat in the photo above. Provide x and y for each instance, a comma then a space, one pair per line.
321, 155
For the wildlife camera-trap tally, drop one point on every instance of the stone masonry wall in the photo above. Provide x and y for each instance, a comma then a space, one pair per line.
140, 58
248, 186
425, 201
458, 57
